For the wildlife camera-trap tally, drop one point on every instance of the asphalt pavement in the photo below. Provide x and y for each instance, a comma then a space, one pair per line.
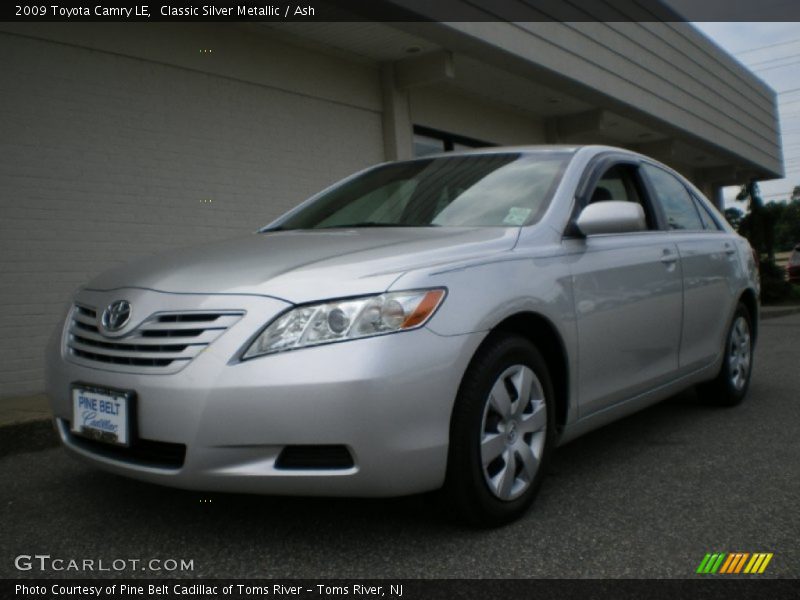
645, 497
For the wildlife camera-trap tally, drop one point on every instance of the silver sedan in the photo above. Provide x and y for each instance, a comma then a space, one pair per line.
436, 324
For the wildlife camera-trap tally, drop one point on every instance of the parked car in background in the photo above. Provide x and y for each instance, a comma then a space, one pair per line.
439, 323
793, 266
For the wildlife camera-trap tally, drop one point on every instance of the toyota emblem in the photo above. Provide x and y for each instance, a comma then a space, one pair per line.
117, 315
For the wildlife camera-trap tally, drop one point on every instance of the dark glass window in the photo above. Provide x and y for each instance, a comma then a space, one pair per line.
432, 141
425, 145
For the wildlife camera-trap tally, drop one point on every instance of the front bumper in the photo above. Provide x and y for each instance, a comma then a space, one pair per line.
386, 399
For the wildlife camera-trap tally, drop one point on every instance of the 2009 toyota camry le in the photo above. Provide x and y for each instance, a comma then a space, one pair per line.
443, 322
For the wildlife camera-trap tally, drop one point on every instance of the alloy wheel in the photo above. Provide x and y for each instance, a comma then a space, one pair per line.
513, 432
739, 352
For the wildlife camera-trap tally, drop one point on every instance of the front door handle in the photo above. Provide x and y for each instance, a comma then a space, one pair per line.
669, 257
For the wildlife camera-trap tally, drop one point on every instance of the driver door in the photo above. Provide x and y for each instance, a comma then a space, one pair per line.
628, 298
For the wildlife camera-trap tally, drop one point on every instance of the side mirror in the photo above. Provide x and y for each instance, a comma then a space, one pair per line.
611, 216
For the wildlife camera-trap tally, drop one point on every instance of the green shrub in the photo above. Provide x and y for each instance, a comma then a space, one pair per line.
774, 287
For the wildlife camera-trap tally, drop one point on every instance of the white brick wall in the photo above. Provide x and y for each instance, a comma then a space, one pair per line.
105, 157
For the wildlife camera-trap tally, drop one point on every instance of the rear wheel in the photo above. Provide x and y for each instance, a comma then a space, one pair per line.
501, 433
730, 386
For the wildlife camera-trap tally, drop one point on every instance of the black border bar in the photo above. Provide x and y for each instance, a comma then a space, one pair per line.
399, 10
702, 587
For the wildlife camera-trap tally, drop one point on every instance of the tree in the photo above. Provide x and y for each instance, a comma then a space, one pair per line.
763, 227
773, 214
796, 194
753, 224
787, 229
734, 216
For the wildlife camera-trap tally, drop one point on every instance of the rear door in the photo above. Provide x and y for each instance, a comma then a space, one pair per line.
628, 297
710, 267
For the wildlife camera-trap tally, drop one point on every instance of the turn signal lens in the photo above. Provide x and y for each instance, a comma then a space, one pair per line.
424, 309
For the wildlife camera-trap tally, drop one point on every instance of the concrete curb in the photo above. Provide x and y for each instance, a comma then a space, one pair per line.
779, 311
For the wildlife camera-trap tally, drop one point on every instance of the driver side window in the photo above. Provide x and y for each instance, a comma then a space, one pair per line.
620, 182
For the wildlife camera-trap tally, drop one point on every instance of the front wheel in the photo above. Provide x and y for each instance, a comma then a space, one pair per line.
501, 433
730, 386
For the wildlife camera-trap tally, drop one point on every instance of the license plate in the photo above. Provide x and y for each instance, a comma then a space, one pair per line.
101, 414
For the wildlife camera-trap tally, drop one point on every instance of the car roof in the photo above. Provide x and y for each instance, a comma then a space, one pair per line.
528, 149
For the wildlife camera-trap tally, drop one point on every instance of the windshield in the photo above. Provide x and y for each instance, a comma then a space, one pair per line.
489, 190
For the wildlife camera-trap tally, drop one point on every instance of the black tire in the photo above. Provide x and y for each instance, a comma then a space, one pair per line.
467, 493
724, 390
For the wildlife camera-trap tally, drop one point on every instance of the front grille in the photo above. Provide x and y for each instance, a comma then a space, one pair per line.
163, 343
315, 457
148, 453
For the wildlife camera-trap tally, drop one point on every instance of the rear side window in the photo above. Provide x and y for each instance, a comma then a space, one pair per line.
709, 222
677, 205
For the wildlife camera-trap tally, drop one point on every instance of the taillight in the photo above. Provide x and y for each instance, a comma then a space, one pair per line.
755, 258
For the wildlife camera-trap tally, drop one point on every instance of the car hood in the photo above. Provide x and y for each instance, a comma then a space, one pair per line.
302, 266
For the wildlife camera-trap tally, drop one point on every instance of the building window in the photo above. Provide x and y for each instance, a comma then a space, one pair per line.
431, 141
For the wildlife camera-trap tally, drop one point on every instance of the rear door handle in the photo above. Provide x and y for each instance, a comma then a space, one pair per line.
729, 249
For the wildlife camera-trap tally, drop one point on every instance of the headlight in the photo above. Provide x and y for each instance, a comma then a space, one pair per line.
351, 319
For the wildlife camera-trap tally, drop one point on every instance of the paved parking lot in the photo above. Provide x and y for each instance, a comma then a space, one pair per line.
648, 496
